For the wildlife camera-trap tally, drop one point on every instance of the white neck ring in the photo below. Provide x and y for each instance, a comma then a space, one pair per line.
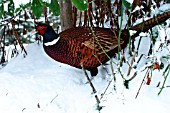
52, 42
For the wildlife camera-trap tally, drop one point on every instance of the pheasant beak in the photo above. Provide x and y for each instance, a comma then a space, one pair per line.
36, 31
36, 24
33, 32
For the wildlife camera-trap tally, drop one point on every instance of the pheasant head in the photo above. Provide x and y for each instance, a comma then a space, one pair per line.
50, 37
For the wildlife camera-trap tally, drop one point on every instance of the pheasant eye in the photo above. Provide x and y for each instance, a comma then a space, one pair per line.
42, 28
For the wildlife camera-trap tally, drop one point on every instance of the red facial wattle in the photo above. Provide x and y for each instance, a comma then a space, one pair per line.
41, 29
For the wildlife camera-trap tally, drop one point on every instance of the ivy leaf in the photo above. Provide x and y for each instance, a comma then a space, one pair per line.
1, 9
55, 7
11, 8
80, 4
127, 4
37, 7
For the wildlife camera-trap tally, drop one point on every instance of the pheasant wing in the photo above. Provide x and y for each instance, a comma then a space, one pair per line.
102, 40
98, 39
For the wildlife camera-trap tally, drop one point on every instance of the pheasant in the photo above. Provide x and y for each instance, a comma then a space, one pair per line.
91, 46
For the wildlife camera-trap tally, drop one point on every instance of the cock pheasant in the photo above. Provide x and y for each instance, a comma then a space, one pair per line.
89, 45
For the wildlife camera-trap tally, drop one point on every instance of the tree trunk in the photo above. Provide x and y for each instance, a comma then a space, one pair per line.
66, 14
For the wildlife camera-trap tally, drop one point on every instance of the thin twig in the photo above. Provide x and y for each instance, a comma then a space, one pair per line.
139, 44
165, 78
106, 88
114, 78
92, 86
122, 60
104, 67
8, 19
54, 98
23, 109
112, 69
2, 40
130, 67
134, 75
140, 58
142, 83
120, 65
17, 37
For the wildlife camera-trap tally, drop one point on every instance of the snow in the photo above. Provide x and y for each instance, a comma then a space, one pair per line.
37, 79
38, 84
130, 1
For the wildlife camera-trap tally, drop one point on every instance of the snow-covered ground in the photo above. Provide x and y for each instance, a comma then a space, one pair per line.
38, 84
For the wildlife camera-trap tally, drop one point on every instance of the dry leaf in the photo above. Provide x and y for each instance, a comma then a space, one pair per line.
156, 66
148, 81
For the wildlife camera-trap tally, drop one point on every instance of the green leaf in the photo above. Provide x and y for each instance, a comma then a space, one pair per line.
17, 10
1, 10
24, 6
11, 8
55, 7
37, 7
127, 4
80, 4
